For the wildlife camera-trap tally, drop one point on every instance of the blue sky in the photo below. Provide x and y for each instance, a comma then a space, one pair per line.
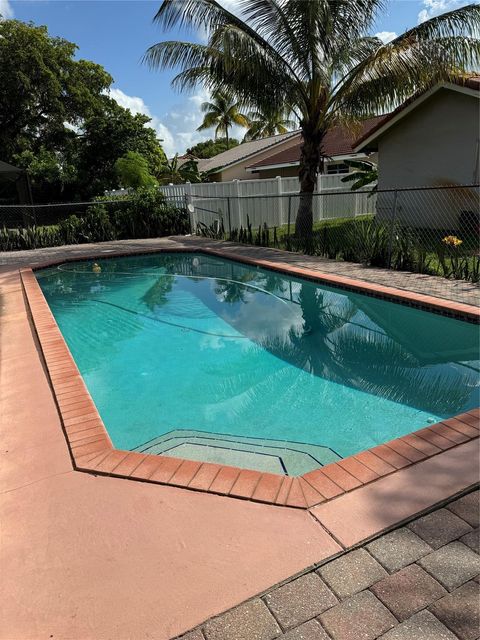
116, 34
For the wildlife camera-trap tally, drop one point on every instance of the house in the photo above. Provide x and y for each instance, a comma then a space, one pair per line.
337, 147
280, 155
431, 140
231, 164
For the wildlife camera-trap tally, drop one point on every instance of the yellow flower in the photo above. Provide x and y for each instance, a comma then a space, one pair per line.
452, 241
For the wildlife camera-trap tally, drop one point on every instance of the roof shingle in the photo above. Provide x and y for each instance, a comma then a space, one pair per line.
244, 150
337, 142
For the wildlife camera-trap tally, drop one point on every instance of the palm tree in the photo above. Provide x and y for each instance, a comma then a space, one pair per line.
314, 58
365, 173
172, 172
222, 113
267, 123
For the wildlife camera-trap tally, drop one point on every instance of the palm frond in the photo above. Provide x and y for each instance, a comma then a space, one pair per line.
438, 49
209, 121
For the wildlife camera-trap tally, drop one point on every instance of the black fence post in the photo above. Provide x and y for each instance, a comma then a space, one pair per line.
392, 229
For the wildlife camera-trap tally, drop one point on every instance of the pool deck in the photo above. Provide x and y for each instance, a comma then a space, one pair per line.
90, 556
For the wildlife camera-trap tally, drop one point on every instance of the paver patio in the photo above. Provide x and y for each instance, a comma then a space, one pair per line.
393, 603
91, 557
457, 290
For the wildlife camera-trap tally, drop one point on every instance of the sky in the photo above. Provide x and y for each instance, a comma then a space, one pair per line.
116, 34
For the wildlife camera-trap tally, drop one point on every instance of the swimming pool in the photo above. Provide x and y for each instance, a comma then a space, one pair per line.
208, 359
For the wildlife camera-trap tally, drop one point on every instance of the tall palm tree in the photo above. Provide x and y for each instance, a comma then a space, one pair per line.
267, 123
222, 113
316, 59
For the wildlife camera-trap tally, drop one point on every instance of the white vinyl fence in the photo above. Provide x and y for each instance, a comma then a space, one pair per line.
273, 201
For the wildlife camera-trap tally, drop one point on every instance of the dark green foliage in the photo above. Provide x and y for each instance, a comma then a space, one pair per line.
366, 173
29, 238
210, 148
58, 121
108, 136
149, 215
216, 230
70, 229
146, 214
371, 243
175, 172
97, 225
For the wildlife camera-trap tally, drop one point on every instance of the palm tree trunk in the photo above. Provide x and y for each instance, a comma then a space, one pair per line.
226, 135
310, 161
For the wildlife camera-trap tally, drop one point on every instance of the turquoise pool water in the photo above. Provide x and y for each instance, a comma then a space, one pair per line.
209, 359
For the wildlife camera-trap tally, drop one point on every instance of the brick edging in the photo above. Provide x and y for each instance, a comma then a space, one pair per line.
92, 450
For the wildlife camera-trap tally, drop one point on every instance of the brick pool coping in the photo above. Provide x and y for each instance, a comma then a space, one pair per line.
92, 450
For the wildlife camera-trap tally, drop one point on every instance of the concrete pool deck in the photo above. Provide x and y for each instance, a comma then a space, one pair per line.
86, 556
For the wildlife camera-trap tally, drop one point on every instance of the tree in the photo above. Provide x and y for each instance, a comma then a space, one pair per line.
58, 121
109, 135
132, 170
210, 148
43, 88
222, 113
315, 59
267, 123
50, 173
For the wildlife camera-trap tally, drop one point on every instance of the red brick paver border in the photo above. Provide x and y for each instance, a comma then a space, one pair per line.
92, 450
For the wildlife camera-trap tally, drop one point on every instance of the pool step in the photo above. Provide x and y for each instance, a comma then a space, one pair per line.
273, 456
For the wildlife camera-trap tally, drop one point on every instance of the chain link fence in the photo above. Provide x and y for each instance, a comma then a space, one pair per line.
432, 231
142, 215
40, 215
425, 230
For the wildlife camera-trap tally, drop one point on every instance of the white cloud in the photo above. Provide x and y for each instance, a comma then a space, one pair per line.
6, 10
434, 8
134, 103
177, 127
386, 36
137, 105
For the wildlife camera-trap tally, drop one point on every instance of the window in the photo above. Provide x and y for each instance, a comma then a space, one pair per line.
338, 167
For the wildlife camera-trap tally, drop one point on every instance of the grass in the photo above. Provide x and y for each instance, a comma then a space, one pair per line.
360, 239
327, 223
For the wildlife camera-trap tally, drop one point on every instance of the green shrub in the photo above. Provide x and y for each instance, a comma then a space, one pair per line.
97, 226
28, 238
70, 230
143, 214
149, 215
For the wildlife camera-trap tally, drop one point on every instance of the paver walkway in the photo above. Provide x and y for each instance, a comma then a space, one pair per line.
418, 582
456, 290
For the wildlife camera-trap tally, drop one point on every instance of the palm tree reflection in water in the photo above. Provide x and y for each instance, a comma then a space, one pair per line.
328, 337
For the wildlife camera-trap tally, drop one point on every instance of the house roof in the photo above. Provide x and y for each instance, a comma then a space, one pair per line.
337, 142
471, 84
243, 151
